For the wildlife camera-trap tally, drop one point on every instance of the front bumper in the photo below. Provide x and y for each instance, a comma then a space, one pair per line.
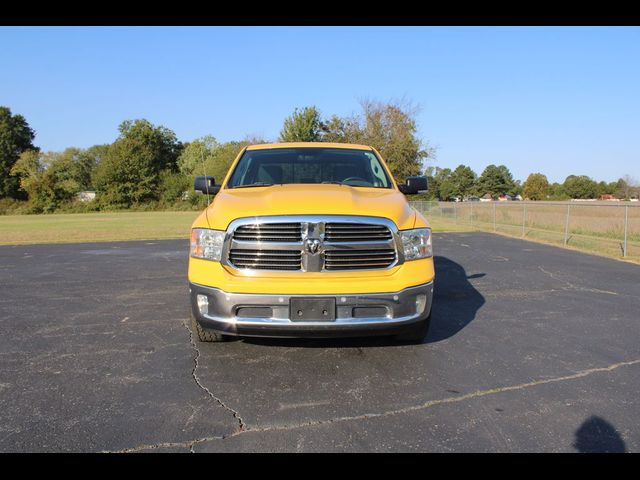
356, 314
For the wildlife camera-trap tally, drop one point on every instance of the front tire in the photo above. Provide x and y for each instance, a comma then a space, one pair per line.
416, 333
205, 335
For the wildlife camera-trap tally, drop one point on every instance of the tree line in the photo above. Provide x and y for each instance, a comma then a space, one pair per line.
496, 181
148, 167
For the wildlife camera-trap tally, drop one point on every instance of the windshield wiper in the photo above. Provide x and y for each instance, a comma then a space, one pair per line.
257, 184
334, 182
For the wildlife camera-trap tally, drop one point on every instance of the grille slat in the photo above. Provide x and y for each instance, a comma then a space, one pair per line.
269, 232
266, 259
358, 259
270, 226
347, 258
356, 238
355, 266
253, 253
262, 238
354, 226
355, 232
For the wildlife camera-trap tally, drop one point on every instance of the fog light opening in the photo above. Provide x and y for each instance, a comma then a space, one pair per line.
421, 303
203, 304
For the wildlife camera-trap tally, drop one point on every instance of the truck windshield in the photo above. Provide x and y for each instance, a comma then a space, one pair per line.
357, 168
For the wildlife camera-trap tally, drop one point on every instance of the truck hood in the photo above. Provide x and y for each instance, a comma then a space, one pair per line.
309, 199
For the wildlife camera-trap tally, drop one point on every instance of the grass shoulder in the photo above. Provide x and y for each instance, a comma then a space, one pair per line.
117, 226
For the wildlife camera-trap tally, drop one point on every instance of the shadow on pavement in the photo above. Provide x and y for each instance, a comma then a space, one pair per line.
455, 300
597, 435
455, 305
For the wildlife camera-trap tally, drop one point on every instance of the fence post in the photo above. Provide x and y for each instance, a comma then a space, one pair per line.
626, 221
524, 216
494, 216
455, 211
566, 226
471, 214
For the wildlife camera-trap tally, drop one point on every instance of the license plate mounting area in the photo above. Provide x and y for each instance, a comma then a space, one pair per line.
311, 309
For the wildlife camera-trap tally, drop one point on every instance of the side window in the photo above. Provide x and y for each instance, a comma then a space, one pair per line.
248, 167
240, 173
378, 172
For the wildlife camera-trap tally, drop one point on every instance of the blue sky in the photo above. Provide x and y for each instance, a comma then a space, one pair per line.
555, 100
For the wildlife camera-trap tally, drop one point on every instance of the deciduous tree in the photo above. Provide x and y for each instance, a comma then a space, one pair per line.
50, 179
536, 187
16, 137
130, 170
197, 155
302, 126
391, 128
626, 187
580, 187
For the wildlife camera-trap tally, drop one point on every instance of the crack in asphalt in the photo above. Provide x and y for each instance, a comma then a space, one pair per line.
235, 413
190, 444
428, 404
571, 286
459, 398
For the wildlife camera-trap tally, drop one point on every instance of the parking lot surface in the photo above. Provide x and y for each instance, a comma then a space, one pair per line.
532, 348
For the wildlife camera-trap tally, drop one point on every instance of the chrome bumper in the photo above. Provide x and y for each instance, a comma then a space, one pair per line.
393, 311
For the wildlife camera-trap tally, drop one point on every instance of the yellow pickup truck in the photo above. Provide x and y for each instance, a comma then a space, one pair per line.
310, 240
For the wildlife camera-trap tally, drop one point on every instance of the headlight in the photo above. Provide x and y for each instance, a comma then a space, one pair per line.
416, 243
206, 243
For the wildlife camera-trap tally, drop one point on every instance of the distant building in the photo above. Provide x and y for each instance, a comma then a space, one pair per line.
518, 197
486, 197
608, 197
86, 196
505, 198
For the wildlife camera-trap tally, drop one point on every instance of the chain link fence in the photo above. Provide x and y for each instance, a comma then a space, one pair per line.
602, 227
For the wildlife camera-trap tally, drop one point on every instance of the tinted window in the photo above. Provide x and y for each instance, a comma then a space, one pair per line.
358, 168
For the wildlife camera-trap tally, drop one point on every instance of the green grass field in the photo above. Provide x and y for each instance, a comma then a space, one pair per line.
106, 227
94, 227
121, 226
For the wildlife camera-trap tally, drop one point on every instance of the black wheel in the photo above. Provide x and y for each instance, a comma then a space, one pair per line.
416, 333
205, 335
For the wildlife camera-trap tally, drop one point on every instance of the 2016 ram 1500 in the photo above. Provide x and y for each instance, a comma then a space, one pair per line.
310, 239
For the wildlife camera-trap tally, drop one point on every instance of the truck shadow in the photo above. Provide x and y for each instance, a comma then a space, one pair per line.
455, 300
455, 304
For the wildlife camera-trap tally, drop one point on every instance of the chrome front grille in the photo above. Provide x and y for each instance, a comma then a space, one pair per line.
355, 232
312, 243
358, 259
266, 259
269, 232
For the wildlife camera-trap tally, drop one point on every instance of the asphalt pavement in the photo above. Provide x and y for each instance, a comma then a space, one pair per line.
532, 348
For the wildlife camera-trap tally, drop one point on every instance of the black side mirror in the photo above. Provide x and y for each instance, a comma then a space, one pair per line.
206, 185
414, 185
